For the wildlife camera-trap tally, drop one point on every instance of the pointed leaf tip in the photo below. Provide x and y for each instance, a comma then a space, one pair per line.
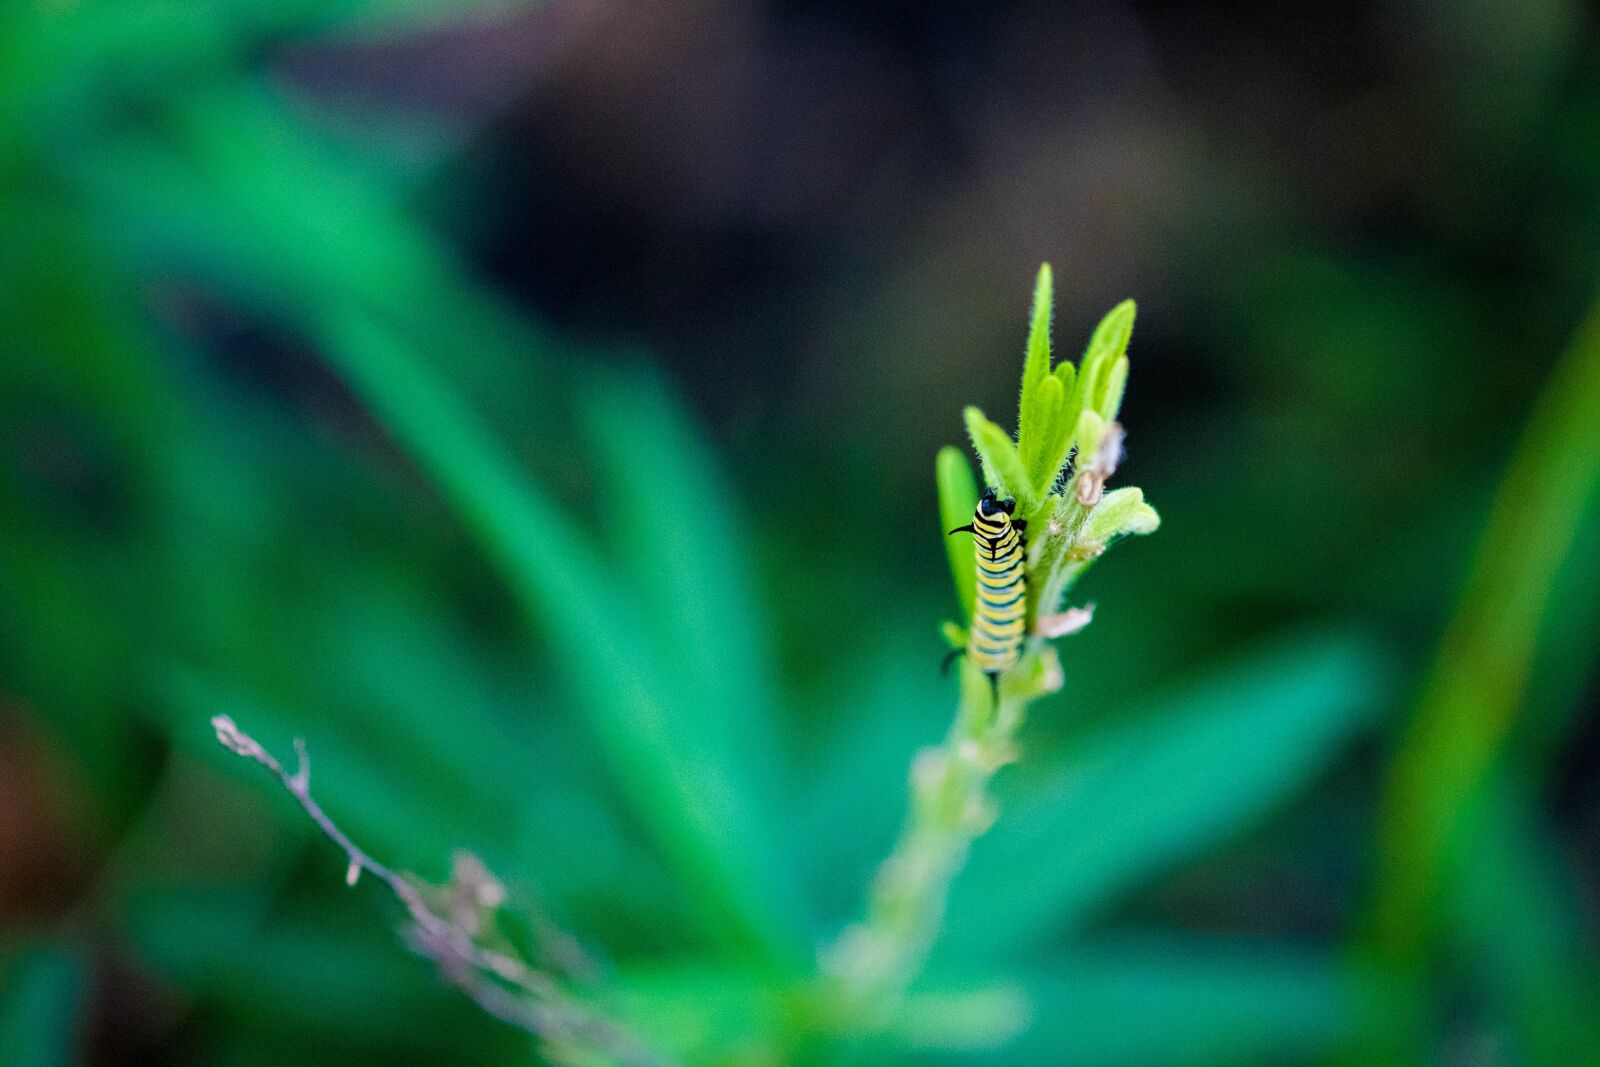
1036, 364
1107, 345
1002, 464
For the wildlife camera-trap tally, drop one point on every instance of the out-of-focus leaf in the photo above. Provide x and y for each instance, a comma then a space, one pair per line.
366, 20
322, 973
859, 777
1129, 1001
41, 1001
682, 545
968, 1020
700, 1014
699, 809
1148, 790
219, 198
1518, 923
1476, 690
958, 497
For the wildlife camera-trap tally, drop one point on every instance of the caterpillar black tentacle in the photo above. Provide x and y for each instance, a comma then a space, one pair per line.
1000, 620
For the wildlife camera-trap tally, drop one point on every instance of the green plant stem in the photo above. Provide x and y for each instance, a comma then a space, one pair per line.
1056, 545
869, 968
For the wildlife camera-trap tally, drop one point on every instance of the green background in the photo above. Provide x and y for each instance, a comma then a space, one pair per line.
534, 408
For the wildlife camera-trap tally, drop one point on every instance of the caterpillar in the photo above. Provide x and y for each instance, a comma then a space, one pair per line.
999, 621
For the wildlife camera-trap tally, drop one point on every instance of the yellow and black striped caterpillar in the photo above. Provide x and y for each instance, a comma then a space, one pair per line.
1000, 620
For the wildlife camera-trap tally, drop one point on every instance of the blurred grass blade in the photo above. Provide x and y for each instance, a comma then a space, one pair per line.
41, 1004
683, 546
1518, 924
958, 498
1149, 790
697, 808
1475, 692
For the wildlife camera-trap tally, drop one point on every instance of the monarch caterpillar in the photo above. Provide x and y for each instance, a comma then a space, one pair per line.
999, 620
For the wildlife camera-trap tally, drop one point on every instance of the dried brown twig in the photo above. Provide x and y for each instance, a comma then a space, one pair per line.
504, 986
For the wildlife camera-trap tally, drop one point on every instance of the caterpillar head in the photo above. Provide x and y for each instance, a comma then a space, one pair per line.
988, 505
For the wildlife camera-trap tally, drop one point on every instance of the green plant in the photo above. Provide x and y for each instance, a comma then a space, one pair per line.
1068, 445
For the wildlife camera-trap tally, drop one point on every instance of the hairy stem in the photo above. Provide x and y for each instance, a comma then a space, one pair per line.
869, 967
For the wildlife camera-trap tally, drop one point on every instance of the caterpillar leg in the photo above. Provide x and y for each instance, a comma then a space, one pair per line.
949, 658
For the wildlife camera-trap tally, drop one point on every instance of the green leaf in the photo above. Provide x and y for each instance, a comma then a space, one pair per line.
1120, 512
954, 634
1002, 465
41, 1004
1153, 788
1038, 449
1064, 432
683, 546
1067, 374
1036, 366
1107, 344
698, 808
1091, 428
958, 498
1109, 402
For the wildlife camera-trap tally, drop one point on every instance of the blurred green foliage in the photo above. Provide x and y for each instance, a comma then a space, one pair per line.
508, 590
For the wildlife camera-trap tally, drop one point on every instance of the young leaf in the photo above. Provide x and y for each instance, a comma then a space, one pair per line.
1121, 511
958, 496
1067, 374
1002, 465
1109, 402
1036, 366
1038, 448
1091, 429
1107, 344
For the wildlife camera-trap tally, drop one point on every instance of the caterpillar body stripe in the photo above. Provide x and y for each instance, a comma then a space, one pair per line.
1000, 619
